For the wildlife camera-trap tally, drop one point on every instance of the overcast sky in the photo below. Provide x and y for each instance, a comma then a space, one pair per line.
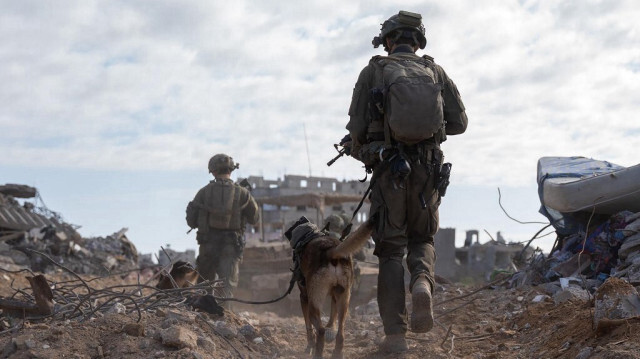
113, 108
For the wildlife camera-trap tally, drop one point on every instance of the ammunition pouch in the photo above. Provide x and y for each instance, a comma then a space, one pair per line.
223, 238
370, 153
400, 167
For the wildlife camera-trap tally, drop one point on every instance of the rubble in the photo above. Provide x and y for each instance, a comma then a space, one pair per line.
33, 237
610, 249
615, 299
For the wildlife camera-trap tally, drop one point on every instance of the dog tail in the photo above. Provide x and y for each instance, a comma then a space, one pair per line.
353, 242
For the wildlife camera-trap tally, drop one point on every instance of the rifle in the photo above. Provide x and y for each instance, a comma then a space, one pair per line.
345, 150
341, 152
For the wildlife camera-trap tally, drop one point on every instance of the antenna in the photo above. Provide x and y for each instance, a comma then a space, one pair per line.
304, 128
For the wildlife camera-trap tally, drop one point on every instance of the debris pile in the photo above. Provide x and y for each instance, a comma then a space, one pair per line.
67, 316
609, 248
32, 236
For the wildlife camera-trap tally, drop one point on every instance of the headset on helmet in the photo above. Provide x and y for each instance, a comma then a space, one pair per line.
409, 25
222, 163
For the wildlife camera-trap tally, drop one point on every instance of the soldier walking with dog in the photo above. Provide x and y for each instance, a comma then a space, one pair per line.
220, 211
403, 107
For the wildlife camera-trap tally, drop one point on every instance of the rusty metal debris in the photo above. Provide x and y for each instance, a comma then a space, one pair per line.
78, 299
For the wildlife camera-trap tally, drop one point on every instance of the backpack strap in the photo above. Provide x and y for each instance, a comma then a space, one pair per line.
439, 136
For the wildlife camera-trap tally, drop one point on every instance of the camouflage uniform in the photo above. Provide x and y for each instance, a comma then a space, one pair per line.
221, 209
403, 225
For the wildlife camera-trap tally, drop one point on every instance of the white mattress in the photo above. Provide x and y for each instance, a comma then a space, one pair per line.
608, 191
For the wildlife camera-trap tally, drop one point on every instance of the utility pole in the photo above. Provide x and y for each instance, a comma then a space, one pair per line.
304, 129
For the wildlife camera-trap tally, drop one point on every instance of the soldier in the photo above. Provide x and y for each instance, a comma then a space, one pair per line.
403, 107
334, 225
219, 211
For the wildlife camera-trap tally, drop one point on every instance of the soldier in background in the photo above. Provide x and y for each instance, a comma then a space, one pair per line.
219, 211
334, 224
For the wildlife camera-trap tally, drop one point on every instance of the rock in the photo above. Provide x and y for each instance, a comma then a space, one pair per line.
18, 257
248, 331
616, 299
370, 308
117, 308
550, 288
185, 317
540, 298
133, 329
258, 340
570, 293
23, 342
224, 329
584, 353
206, 342
144, 344
169, 322
178, 337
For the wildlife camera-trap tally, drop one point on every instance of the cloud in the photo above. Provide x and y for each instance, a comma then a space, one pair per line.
130, 85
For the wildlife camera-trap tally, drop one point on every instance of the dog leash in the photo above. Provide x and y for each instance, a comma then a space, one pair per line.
296, 274
291, 284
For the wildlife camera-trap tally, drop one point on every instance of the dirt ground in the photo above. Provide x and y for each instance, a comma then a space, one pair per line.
492, 323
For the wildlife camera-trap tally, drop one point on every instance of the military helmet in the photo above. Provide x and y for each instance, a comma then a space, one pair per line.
409, 25
222, 163
335, 223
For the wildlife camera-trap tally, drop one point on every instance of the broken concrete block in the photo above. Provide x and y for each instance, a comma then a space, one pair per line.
571, 293
550, 288
540, 298
178, 337
616, 299
574, 266
630, 245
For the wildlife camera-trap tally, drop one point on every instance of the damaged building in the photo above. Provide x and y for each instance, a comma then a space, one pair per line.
33, 236
283, 201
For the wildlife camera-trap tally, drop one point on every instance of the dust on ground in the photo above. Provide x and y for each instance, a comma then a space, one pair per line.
492, 323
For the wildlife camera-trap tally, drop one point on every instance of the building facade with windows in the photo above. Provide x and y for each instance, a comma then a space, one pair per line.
285, 200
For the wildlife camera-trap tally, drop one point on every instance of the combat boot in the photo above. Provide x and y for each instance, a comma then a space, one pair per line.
422, 314
394, 343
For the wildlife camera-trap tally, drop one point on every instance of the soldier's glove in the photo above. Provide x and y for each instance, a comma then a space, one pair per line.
345, 142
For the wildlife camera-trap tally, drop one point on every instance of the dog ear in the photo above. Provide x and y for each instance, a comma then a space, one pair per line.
289, 231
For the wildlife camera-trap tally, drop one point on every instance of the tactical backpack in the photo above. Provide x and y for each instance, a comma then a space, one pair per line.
412, 99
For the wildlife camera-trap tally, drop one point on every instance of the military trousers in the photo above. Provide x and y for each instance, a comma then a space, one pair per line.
403, 227
219, 257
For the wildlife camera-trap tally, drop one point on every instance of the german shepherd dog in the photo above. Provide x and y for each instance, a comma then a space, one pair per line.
327, 270
183, 274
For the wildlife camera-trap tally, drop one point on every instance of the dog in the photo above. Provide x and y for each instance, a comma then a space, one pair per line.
183, 274
326, 269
